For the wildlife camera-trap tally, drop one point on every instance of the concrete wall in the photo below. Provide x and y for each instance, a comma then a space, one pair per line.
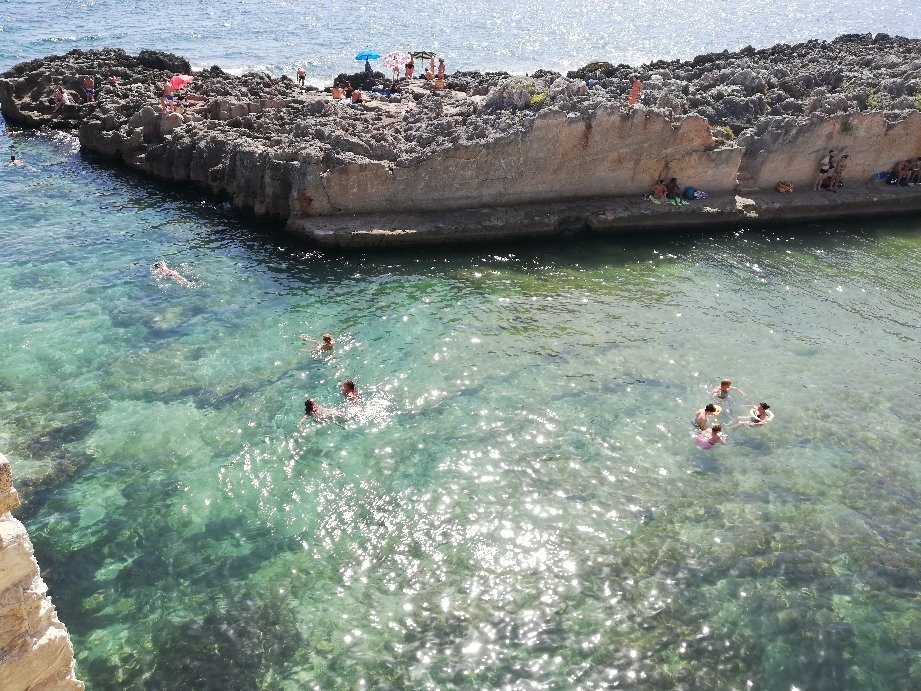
35, 650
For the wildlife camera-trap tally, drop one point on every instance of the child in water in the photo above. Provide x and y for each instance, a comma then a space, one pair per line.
709, 410
711, 437
722, 391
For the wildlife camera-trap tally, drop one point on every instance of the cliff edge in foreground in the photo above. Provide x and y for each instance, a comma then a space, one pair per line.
423, 166
35, 650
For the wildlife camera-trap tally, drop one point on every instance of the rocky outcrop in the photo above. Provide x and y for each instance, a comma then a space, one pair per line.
35, 650
723, 122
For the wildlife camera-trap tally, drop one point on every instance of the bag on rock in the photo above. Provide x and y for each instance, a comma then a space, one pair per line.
784, 187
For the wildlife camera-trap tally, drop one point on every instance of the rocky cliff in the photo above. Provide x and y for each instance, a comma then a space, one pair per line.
723, 122
35, 650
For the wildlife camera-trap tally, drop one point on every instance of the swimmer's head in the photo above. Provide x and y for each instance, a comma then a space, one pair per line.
158, 265
327, 338
309, 407
710, 408
726, 382
348, 386
12, 159
763, 406
716, 429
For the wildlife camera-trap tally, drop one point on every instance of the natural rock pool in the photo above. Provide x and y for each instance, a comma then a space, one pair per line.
517, 500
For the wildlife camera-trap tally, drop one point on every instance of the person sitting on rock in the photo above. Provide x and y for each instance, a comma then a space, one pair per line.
112, 80
429, 74
825, 167
899, 174
348, 89
441, 68
659, 192
357, 96
301, 76
673, 192
89, 88
914, 175
181, 104
837, 177
338, 93
61, 98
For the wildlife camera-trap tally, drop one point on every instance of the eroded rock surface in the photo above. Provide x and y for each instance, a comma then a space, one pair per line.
35, 650
722, 122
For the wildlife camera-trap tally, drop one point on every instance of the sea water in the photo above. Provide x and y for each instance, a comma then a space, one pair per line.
515, 501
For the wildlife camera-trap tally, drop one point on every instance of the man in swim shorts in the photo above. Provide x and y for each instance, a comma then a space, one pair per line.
709, 410
89, 88
826, 165
325, 344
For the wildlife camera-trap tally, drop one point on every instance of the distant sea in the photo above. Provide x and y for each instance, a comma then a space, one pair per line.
277, 36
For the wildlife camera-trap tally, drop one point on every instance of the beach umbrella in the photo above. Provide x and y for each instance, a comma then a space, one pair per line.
367, 55
423, 54
180, 80
395, 60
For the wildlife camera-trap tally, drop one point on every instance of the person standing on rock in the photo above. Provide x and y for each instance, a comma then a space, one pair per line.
441, 68
825, 167
166, 102
635, 90
838, 174
301, 76
89, 88
410, 68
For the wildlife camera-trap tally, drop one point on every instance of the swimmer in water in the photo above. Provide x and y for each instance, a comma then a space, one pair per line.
313, 409
14, 162
325, 344
759, 417
700, 419
722, 391
715, 436
161, 269
349, 390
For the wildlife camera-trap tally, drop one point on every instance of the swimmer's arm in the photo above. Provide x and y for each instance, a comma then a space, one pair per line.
305, 337
739, 390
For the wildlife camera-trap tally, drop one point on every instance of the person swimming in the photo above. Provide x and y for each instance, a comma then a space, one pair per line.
722, 391
160, 268
708, 441
709, 410
314, 410
350, 391
14, 161
758, 417
325, 344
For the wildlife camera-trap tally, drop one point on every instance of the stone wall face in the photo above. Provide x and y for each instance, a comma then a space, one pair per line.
35, 650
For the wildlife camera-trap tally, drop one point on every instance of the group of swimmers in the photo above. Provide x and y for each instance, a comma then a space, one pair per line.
707, 436
312, 409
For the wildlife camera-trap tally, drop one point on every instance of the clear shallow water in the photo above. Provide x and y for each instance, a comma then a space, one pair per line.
279, 35
516, 502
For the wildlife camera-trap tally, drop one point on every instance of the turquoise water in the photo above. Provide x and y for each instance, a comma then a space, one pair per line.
515, 502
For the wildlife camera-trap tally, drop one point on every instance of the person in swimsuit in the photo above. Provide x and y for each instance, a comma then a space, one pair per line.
166, 102
722, 391
410, 68
756, 419
325, 344
825, 165
441, 68
357, 96
636, 88
838, 174
659, 192
313, 410
673, 192
89, 88
14, 162
61, 98
709, 410
338, 93
161, 269
715, 436
301, 76
349, 390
